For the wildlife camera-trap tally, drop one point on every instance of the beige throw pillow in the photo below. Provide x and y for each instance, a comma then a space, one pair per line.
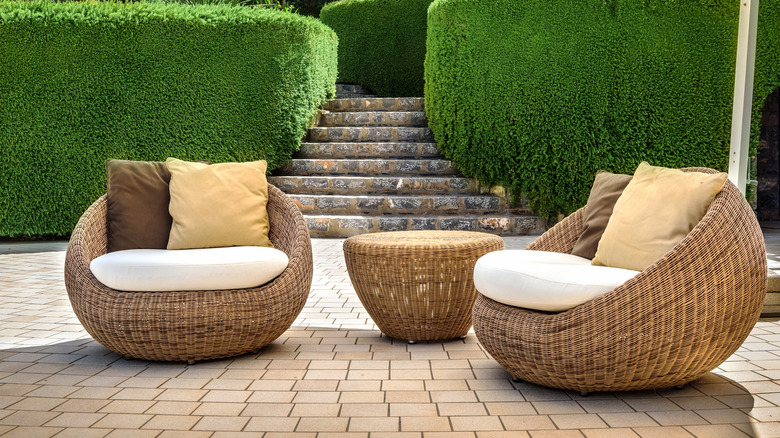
218, 205
658, 208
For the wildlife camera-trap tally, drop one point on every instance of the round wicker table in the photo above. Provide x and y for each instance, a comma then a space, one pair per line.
418, 285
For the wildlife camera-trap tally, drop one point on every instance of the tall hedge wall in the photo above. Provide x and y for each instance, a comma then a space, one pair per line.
381, 43
538, 95
83, 82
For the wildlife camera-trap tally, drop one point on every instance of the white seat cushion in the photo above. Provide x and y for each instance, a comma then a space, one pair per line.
542, 280
157, 270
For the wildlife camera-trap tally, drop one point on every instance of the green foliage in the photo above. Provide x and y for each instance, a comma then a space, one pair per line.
84, 82
538, 95
381, 43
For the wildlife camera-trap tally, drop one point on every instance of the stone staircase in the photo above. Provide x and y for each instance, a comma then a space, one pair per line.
370, 164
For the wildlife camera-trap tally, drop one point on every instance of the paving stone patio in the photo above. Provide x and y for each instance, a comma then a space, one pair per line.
333, 375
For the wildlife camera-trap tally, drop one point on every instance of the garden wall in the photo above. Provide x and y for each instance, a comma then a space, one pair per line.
83, 82
381, 43
538, 95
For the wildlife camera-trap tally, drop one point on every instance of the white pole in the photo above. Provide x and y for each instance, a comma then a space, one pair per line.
743, 93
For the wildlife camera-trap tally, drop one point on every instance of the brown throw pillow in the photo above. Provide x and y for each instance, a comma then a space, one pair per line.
138, 201
606, 190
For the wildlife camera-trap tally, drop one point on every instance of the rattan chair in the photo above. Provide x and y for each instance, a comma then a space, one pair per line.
672, 323
195, 325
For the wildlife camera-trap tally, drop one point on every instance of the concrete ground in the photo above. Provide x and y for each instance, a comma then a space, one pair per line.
333, 374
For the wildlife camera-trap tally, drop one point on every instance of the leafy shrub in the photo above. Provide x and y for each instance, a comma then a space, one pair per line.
538, 95
381, 43
83, 82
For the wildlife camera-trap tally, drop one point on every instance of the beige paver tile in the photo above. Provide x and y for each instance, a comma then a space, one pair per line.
172, 408
133, 433
172, 422
628, 419
123, 421
36, 404
361, 397
724, 416
127, 406
316, 410
423, 424
28, 418
413, 410
226, 396
396, 435
271, 397
316, 397
223, 424
527, 422
320, 424
271, 424
716, 431
407, 397
471, 423
374, 424
73, 419
577, 421
765, 414
180, 383
610, 433
184, 434
181, 395
461, 409
95, 392
556, 434
219, 409
363, 410
360, 385
403, 385
662, 432
32, 432
503, 434
558, 407
82, 405
267, 410
453, 396
82, 432
315, 385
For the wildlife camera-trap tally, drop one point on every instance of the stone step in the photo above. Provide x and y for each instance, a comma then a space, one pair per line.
369, 134
345, 226
368, 150
377, 104
399, 205
368, 167
360, 185
374, 118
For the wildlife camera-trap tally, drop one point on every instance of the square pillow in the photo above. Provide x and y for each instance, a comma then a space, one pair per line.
607, 188
138, 201
658, 208
218, 205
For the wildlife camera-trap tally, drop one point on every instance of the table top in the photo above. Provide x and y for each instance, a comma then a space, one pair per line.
422, 240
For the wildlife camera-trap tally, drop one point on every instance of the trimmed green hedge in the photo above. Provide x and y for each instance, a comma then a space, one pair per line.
381, 43
538, 95
83, 82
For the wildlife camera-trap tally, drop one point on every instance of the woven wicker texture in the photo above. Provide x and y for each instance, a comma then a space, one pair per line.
190, 325
674, 322
418, 285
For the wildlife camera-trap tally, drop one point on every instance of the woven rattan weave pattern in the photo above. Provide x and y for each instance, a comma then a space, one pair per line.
418, 285
674, 322
190, 325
